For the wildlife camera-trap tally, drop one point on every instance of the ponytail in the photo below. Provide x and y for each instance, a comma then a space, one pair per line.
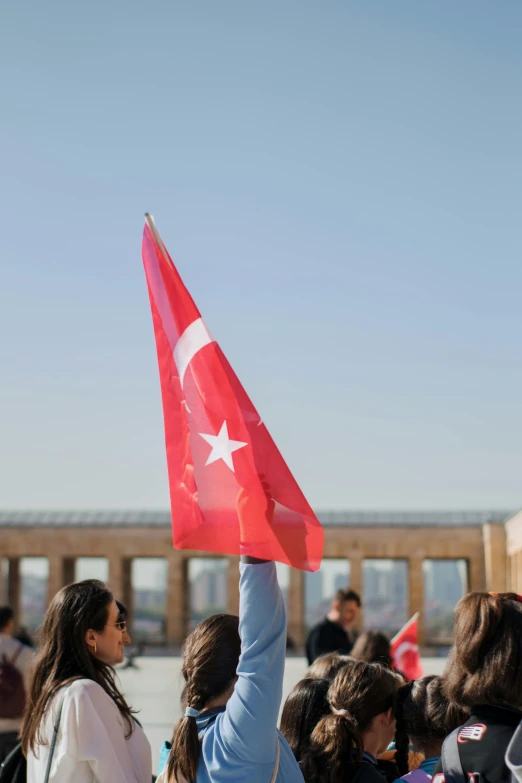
184, 757
402, 738
359, 693
210, 658
336, 749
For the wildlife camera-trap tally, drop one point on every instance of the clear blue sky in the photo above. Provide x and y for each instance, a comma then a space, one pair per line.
340, 184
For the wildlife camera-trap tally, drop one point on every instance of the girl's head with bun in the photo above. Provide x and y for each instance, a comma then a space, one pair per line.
362, 699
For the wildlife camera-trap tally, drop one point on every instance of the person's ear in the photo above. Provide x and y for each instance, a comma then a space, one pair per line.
90, 638
388, 716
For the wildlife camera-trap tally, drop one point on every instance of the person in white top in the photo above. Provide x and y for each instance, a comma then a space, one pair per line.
20, 657
99, 741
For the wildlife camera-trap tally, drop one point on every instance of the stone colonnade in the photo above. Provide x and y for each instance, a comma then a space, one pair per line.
484, 548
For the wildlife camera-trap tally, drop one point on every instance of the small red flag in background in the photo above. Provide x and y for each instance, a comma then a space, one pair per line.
216, 441
405, 650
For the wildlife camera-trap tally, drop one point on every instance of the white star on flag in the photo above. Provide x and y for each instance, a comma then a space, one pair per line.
222, 446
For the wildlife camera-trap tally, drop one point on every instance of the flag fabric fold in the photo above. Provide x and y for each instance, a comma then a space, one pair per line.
216, 442
405, 650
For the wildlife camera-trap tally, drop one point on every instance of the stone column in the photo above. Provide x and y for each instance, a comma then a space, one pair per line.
495, 557
14, 592
120, 583
69, 571
127, 593
416, 592
512, 574
476, 578
357, 584
176, 589
296, 613
518, 571
233, 585
55, 578
116, 576
3, 579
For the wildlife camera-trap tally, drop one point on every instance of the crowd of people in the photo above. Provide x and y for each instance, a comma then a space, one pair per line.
353, 718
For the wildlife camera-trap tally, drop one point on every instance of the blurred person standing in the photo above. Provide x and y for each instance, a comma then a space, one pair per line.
16, 664
336, 632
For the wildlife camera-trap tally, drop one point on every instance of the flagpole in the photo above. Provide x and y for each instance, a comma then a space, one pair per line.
149, 220
406, 625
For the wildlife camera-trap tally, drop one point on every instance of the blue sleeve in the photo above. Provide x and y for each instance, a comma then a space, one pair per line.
248, 726
164, 757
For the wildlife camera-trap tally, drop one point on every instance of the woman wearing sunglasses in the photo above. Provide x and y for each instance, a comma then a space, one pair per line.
98, 740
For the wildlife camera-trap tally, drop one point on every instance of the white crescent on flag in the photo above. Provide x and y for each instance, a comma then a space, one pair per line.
194, 338
403, 648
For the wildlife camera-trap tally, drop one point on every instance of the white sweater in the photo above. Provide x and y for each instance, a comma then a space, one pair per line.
91, 745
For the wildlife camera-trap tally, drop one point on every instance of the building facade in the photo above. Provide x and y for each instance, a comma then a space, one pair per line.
487, 545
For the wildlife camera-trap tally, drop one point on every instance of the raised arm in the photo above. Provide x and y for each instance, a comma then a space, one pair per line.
249, 724
250, 720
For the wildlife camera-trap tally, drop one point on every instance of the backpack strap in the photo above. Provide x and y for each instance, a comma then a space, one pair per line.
513, 757
53, 741
451, 763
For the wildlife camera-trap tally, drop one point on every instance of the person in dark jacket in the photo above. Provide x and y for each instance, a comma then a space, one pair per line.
484, 675
346, 743
336, 633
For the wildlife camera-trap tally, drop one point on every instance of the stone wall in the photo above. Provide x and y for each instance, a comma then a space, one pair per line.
484, 548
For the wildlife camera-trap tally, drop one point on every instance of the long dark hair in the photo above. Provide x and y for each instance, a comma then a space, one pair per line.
210, 658
484, 663
363, 691
372, 647
424, 716
64, 655
305, 706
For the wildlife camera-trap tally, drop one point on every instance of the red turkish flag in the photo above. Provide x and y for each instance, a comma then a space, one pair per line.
405, 650
216, 441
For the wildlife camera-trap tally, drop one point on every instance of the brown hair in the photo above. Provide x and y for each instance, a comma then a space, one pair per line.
347, 595
64, 655
327, 665
210, 659
364, 690
484, 662
424, 715
372, 647
306, 704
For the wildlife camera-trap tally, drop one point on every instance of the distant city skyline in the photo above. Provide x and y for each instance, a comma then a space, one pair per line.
385, 590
